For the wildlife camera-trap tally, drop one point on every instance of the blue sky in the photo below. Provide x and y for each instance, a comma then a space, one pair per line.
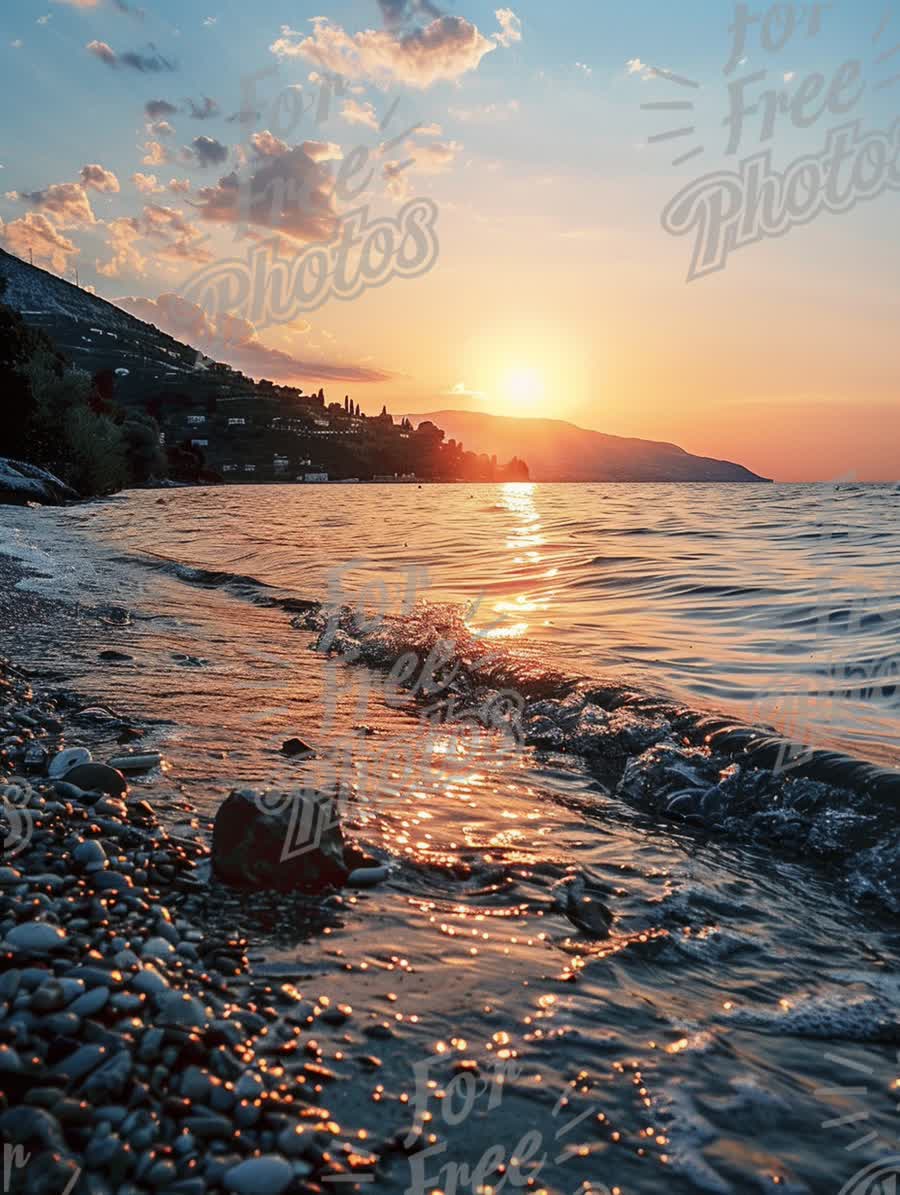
556, 290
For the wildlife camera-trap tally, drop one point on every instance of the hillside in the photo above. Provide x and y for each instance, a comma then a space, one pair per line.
559, 451
208, 420
95, 334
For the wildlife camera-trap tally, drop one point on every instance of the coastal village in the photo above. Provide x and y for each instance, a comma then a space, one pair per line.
228, 427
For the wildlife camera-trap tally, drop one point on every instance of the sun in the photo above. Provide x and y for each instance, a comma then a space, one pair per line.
522, 388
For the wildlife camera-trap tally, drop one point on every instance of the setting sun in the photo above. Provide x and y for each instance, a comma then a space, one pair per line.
522, 388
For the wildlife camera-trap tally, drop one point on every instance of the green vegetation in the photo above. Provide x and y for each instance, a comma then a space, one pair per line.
63, 419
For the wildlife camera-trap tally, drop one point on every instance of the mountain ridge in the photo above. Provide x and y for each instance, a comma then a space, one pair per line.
557, 450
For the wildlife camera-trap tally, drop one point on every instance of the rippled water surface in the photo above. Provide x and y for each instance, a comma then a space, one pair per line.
779, 603
735, 1026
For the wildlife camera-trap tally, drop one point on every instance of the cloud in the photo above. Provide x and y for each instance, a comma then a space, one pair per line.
65, 203
210, 21
636, 67
102, 51
322, 151
172, 234
487, 113
125, 258
154, 154
147, 184
396, 180
267, 145
152, 62
235, 340
164, 222
286, 190
584, 68
355, 112
100, 179
401, 12
154, 109
208, 151
161, 128
510, 27
429, 130
434, 158
79, 3
205, 110
444, 50
34, 234
179, 186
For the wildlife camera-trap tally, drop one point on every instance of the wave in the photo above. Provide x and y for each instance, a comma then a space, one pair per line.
671, 762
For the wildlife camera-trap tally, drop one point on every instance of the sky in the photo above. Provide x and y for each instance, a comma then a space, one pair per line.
675, 222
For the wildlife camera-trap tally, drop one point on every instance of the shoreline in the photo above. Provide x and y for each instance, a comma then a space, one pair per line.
239, 1044
115, 994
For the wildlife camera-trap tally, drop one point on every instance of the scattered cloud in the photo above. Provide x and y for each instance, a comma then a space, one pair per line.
172, 234
322, 151
360, 113
154, 154
161, 128
397, 13
124, 256
34, 234
150, 62
235, 340
154, 109
210, 21
65, 203
636, 67
17, 44
584, 68
285, 190
207, 151
396, 180
442, 51
102, 51
179, 186
510, 27
434, 158
429, 130
205, 110
99, 179
147, 184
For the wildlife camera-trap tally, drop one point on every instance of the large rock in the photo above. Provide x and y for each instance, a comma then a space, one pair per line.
291, 841
21, 483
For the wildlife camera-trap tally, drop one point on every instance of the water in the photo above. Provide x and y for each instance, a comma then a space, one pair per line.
737, 1028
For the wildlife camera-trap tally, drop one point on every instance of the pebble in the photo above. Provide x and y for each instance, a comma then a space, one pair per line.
125, 1050
178, 1008
149, 981
90, 1003
90, 856
10, 1062
64, 761
157, 948
97, 777
80, 1062
367, 877
297, 748
36, 937
136, 763
266, 1175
